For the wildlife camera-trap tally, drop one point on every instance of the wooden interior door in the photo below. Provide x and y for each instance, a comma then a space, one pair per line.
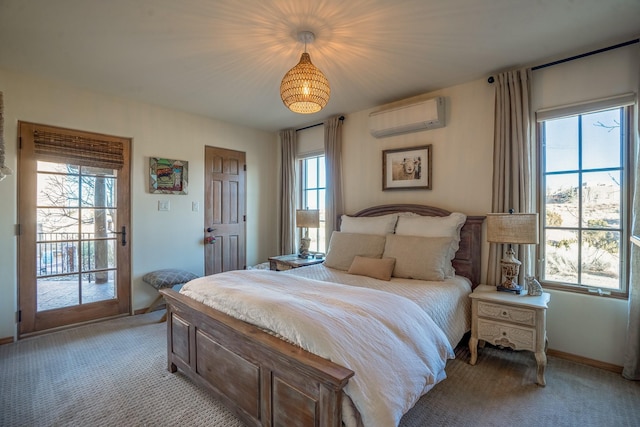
225, 210
74, 227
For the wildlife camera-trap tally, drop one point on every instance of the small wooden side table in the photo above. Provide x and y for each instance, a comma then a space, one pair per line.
287, 262
509, 320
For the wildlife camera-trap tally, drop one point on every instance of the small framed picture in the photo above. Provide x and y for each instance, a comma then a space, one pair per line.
168, 176
407, 168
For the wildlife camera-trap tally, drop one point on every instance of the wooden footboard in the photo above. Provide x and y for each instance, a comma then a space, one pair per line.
263, 380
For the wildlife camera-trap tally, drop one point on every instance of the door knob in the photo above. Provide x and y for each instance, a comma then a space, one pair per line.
210, 230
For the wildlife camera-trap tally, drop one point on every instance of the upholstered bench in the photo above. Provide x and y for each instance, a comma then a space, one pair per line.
167, 278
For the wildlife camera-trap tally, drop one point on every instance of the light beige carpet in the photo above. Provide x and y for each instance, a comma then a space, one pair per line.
114, 374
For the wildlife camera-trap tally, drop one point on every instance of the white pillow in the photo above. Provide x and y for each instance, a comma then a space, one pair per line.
423, 258
379, 225
434, 226
344, 247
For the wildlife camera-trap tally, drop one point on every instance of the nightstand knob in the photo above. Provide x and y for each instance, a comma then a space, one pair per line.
504, 313
504, 333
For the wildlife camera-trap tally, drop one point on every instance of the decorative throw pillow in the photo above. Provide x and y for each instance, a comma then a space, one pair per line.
343, 247
378, 268
383, 224
168, 277
424, 258
435, 226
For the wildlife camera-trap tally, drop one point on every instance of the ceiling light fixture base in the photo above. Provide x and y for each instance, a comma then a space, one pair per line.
306, 37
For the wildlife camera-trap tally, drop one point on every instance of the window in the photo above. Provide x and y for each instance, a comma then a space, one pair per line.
312, 196
584, 199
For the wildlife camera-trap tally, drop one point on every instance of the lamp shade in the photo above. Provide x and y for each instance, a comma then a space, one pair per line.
309, 218
516, 228
304, 89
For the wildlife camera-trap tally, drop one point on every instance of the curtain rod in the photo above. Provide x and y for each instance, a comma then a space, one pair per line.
593, 52
491, 79
341, 118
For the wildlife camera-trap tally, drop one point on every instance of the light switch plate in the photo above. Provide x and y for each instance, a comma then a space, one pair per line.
195, 206
164, 205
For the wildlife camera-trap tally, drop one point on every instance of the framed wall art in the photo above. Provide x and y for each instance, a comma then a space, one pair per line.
407, 168
168, 176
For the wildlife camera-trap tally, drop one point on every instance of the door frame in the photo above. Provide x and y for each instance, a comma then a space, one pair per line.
30, 321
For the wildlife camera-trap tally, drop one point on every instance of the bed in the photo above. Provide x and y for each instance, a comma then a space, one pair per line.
269, 379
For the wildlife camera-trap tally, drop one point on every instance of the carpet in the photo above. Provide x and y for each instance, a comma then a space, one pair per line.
113, 373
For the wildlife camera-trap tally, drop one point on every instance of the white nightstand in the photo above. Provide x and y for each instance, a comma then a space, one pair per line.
509, 320
287, 262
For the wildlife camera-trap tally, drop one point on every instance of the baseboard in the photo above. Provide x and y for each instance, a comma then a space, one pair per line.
7, 340
144, 310
585, 361
566, 356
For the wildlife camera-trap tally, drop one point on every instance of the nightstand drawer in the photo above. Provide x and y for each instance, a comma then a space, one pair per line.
507, 335
503, 312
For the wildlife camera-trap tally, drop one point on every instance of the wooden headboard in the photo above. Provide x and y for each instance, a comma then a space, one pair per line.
468, 259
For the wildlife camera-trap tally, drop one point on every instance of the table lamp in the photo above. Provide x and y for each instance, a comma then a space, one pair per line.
511, 228
306, 218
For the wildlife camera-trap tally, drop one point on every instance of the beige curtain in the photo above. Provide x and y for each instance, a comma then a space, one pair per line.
288, 141
631, 368
513, 171
4, 169
334, 203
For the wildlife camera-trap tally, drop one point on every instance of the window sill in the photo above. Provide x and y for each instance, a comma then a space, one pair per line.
586, 290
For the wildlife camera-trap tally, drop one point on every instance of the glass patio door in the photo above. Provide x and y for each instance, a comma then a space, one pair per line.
74, 229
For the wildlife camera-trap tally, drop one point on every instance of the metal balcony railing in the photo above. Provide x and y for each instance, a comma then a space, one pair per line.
66, 253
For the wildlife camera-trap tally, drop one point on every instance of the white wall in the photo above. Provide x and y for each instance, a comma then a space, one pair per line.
462, 156
159, 239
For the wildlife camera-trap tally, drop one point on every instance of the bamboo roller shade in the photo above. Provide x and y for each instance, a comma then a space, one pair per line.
86, 150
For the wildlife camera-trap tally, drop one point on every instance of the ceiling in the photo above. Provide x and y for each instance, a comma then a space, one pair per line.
225, 58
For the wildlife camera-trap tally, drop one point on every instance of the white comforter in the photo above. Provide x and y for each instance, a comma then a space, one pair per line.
395, 349
447, 302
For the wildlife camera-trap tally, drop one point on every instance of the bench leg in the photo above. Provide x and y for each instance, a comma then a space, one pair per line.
153, 305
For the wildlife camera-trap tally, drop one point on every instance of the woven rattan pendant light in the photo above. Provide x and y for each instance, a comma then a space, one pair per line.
304, 89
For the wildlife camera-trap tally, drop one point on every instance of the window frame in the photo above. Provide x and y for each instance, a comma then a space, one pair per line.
317, 236
626, 103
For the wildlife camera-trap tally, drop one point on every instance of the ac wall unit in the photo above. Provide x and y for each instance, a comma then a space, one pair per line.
422, 115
